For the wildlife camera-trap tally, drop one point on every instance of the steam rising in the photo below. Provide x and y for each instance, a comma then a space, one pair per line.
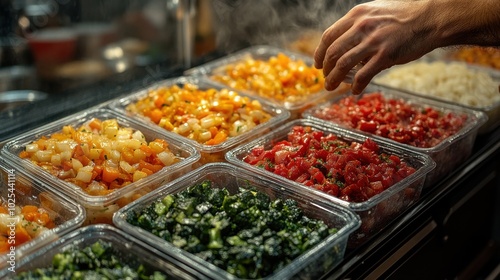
241, 23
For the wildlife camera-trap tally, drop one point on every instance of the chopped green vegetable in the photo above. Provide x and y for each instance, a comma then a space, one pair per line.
98, 261
246, 234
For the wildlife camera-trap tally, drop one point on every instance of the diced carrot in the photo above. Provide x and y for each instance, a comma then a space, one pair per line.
109, 174
114, 185
146, 149
80, 155
24, 154
213, 131
83, 137
4, 244
22, 236
43, 218
219, 138
97, 172
95, 124
29, 209
128, 156
147, 171
156, 115
66, 165
153, 167
30, 216
159, 101
59, 136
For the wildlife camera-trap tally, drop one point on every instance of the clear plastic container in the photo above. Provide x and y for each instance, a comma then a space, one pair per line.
313, 263
377, 211
17, 190
129, 250
491, 108
100, 208
449, 153
209, 153
296, 105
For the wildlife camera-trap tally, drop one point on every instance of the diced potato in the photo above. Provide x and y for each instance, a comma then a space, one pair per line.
55, 159
84, 175
31, 148
62, 147
43, 156
76, 164
138, 135
167, 158
95, 153
127, 167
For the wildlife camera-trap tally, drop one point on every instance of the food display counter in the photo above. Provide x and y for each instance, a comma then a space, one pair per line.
452, 230
168, 137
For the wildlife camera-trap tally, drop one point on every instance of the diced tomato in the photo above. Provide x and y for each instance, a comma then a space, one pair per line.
368, 126
351, 171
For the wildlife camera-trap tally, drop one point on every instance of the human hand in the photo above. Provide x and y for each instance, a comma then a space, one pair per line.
377, 34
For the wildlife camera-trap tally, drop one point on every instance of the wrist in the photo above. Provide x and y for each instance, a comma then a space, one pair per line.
466, 22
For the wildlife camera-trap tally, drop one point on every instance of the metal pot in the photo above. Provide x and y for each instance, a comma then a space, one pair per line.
18, 77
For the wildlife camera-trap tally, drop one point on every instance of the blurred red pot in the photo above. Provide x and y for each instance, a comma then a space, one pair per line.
53, 45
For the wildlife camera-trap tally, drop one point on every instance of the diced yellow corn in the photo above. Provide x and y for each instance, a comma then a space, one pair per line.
133, 143
95, 153
139, 155
156, 147
110, 128
138, 175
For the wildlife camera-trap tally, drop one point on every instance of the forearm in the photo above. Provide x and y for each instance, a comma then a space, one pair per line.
466, 21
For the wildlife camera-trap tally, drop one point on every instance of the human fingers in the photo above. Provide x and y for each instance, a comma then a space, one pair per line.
335, 74
329, 36
365, 75
344, 53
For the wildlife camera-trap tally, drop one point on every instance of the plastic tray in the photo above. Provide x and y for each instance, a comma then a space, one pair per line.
377, 211
100, 208
296, 107
449, 153
129, 250
209, 153
313, 263
17, 190
492, 109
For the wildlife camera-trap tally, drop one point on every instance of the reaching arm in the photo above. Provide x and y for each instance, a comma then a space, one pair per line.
384, 33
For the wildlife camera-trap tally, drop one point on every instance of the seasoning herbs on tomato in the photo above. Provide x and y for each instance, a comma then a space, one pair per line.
247, 234
394, 119
351, 171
